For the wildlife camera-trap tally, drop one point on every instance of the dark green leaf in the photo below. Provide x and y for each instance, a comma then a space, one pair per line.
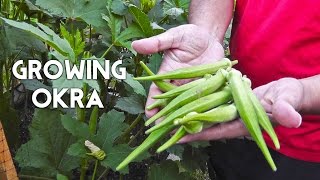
131, 32
75, 40
167, 170
142, 20
116, 155
118, 7
132, 104
75, 127
46, 35
47, 149
135, 85
114, 24
89, 11
176, 150
193, 159
78, 149
111, 125
33, 84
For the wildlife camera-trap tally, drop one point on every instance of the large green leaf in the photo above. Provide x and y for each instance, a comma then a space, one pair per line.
118, 153
142, 20
47, 149
88, 10
78, 149
119, 37
111, 125
135, 85
75, 127
47, 35
118, 7
167, 170
75, 40
133, 104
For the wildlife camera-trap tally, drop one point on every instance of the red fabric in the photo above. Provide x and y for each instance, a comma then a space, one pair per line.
273, 39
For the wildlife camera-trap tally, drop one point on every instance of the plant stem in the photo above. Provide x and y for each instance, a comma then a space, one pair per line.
82, 117
107, 51
104, 173
81, 113
83, 169
130, 128
95, 169
135, 136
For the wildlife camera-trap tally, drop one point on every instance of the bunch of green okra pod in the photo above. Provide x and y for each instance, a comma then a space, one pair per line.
220, 94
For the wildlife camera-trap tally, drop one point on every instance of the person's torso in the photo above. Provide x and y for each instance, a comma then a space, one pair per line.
273, 39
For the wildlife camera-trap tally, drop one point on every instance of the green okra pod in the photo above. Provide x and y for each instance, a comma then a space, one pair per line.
162, 85
192, 72
247, 113
94, 119
180, 89
219, 114
207, 87
262, 116
200, 105
146, 144
180, 133
160, 103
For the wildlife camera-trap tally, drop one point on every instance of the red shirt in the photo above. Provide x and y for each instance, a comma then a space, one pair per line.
273, 39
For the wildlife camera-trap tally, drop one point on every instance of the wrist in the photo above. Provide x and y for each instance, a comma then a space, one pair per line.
218, 37
305, 101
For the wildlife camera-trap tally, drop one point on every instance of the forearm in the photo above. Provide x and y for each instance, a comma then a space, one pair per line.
311, 99
212, 15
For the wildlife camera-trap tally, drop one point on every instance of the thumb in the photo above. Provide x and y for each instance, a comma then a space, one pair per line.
286, 115
158, 43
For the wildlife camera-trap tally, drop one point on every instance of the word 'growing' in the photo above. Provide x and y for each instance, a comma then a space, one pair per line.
53, 70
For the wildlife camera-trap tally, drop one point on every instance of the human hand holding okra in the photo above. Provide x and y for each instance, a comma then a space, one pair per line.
183, 46
282, 99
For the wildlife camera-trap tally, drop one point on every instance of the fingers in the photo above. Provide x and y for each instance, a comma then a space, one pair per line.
152, 92
279, 99
221, 131
167, 40
286, 115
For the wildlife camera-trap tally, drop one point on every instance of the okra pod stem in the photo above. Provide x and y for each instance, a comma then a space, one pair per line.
247, 113
192, 72
180, 133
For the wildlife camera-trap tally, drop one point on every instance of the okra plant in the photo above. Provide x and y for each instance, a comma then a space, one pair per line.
79, 143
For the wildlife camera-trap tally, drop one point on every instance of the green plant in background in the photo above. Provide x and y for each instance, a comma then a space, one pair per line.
80, 30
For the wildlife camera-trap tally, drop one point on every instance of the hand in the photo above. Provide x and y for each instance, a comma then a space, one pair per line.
282, 99
183, 46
